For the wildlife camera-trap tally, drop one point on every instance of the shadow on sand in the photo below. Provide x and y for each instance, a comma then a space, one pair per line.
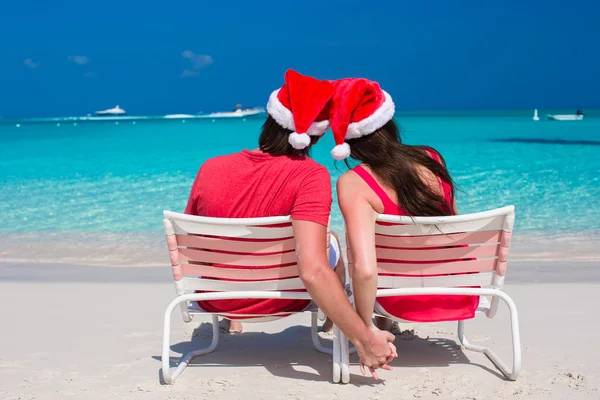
290, 354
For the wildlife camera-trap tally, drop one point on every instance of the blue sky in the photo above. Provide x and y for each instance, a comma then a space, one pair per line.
151, 57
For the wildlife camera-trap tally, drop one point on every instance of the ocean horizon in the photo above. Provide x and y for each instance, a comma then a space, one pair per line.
593, 112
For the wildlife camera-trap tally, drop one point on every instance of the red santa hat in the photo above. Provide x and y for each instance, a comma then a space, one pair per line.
358, 108
301, 105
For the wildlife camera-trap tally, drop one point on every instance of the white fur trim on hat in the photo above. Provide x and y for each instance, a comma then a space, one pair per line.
279, 112
285, 118
299, 141
318, 128
341, 151
379, 118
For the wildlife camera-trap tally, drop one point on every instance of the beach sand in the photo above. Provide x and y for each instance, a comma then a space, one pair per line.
88, 332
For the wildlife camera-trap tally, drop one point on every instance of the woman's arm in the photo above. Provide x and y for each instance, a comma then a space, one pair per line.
360, 218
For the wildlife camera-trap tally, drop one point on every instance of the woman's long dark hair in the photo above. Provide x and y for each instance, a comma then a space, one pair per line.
274, 140
397, 165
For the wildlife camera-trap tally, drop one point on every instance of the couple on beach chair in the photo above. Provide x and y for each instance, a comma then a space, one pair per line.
278, 178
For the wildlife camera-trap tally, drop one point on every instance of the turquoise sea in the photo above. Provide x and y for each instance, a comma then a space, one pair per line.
64, 178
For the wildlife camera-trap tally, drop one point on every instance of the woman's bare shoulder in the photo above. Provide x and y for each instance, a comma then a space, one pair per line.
348, 181
348, 176
353, 192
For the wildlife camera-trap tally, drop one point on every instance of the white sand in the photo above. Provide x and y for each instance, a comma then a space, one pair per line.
96, 333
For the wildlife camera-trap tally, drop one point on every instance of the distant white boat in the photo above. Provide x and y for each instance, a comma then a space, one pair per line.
535, 115
112, 111
237, 113
565, 117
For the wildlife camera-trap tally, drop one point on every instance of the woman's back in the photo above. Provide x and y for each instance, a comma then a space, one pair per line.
384, 200
388, 196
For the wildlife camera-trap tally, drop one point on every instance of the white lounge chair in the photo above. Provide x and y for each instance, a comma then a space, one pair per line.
481, 240
196, 243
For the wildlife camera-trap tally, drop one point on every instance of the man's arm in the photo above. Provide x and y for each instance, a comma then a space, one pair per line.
374, 348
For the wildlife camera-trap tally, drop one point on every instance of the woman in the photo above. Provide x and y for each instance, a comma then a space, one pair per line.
392, 178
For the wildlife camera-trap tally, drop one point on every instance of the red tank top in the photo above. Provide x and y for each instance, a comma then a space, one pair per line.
421, 308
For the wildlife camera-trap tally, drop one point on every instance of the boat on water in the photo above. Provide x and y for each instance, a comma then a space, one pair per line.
111, 112
535, 115
238, 112
567, 117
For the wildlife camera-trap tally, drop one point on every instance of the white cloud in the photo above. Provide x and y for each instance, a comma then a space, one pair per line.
198, 61
90, 75
189, 74
79, 60
30, 63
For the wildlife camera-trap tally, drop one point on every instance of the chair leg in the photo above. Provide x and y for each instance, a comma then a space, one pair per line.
171, 374
516, 343
314, 327
337, 354
345, 358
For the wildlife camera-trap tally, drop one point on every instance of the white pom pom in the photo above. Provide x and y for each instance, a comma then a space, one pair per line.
299, 141
341, 151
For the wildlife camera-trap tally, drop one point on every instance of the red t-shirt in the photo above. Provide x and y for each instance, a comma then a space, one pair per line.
251, 184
